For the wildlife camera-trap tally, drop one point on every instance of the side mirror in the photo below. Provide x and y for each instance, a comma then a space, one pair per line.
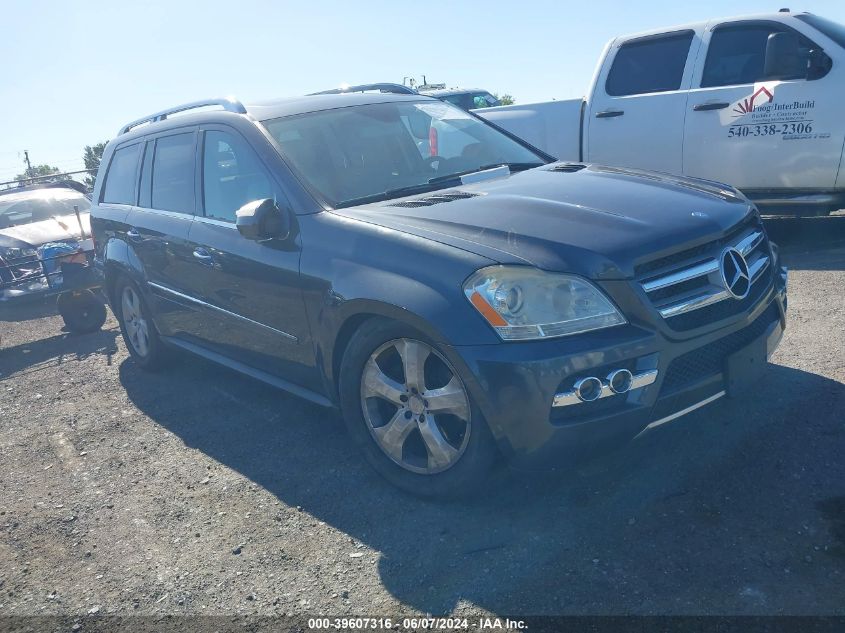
263, 220
783, 57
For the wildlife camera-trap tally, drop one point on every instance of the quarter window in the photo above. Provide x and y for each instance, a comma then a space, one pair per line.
173, 173
120, 179
737, 55
646, 65
232, 175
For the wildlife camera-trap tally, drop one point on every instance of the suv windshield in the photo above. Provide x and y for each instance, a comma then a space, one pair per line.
367, 153
39, 204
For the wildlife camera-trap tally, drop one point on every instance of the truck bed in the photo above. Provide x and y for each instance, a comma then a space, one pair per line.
552, 126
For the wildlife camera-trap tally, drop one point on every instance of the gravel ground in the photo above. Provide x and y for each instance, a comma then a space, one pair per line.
198, 491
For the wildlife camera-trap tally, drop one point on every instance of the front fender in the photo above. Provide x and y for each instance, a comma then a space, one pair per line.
119, 258
352, 270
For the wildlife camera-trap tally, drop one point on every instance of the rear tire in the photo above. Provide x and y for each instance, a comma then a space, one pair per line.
82, 311
407, 409
136, 325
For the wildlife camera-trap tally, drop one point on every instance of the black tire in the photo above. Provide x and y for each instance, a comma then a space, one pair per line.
479, 452
82, 311
151, 355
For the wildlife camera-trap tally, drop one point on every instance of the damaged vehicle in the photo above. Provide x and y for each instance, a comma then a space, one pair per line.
45, 248
483, 305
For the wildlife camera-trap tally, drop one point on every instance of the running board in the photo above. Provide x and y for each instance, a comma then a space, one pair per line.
252, 372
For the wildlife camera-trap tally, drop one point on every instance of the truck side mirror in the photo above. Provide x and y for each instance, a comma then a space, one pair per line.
783, 57
263, 220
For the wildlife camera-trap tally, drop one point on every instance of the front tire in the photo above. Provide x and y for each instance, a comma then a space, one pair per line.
408, 410
137, 327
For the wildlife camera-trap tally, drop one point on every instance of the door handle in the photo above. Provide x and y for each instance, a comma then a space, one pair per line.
609, 114
133, 234
203, 256
705, 107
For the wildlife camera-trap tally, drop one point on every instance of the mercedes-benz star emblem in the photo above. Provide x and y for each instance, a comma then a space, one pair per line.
735, 275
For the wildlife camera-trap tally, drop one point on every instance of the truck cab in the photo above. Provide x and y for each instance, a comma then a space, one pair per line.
752, 101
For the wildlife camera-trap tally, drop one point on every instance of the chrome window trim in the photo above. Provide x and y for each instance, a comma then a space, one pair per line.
205, 304
567, 398
216, 222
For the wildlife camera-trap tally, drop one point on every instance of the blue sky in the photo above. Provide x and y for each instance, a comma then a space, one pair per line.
75, 71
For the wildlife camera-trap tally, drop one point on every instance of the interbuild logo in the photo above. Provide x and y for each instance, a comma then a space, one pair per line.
744, 106
762, 106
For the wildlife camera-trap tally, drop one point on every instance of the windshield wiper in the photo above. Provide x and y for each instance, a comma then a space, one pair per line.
514, 167
433, 184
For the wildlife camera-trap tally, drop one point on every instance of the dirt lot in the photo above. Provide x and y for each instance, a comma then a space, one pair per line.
196, 490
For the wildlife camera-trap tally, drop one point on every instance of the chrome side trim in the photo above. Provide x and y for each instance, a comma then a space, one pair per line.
699, 270
682, 412
205, 304
567, 398
693, 304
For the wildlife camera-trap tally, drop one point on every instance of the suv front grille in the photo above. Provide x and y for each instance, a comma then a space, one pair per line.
688, 288
701, 363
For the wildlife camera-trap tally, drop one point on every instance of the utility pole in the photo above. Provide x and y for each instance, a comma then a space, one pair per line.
28, 164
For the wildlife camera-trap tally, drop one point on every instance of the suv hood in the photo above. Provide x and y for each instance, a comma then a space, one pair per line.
57, 229
599, 222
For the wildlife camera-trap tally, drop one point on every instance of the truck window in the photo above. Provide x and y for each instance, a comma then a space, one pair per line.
651, 64
737, 54
833, 30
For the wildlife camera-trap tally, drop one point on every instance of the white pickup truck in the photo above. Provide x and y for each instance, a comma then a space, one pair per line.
757, 102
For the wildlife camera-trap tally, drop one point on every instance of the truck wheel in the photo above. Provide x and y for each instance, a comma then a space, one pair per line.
407, 409
81, 310
137, 327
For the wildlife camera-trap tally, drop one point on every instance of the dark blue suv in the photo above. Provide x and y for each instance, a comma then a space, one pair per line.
478, 305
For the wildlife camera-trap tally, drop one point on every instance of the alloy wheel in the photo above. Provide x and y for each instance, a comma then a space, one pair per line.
415, 406
133, 320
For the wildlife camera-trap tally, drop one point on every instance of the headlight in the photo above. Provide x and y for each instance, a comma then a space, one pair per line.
13, 253
526, 303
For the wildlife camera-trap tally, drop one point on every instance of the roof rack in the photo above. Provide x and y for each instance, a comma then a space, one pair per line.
398, 89
229, 104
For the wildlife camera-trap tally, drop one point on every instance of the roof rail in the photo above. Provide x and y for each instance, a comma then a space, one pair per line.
228, 103
398, 89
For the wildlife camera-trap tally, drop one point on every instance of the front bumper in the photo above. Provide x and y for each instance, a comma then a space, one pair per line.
518, 385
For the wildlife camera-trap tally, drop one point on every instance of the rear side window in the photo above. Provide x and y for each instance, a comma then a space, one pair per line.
120, 178
653, 64
173, 173
737, 54
232, 175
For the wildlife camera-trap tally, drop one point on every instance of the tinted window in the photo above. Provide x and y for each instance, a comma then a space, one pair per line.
737, 55
833, 30
120, 179
654, 64
232, 175
173, 173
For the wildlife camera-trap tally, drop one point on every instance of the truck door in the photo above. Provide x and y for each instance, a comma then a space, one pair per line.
635, 115
757, 128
